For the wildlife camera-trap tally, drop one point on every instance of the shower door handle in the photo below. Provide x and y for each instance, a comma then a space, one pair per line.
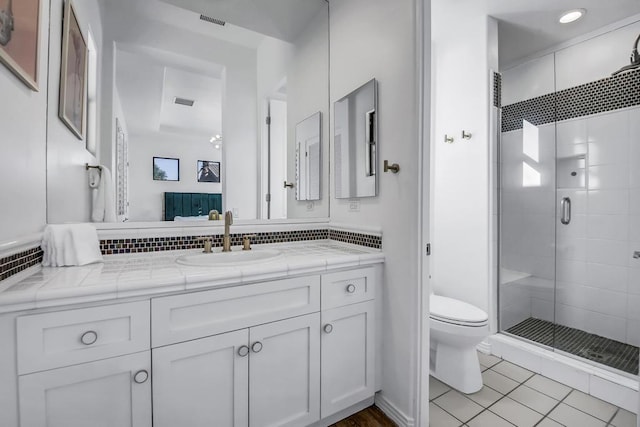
566, 211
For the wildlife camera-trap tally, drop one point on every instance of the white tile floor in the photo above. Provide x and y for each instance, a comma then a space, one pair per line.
514, 396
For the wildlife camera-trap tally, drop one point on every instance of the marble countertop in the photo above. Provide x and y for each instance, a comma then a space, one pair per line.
148, 274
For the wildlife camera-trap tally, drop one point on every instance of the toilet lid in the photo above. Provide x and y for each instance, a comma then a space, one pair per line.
455, 311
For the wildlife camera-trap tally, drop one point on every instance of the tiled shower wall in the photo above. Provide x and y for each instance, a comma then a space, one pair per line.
595, 120
598, 280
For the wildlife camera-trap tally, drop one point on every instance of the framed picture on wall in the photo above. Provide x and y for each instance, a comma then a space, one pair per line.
208, 171
166, 169
73, 74
20, 39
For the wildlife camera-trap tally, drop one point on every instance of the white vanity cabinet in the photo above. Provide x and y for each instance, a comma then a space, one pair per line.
206, 382
105, 393
292, 352
88, 366
348, 339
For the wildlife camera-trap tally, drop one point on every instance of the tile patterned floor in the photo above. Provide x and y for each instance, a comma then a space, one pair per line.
514, 396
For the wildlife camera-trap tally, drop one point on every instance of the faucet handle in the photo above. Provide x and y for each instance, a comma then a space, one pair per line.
246, 241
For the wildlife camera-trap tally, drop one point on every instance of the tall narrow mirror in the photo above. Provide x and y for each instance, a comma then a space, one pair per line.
308, 157
355, 143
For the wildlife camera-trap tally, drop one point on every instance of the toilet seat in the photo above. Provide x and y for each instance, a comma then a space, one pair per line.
456, 312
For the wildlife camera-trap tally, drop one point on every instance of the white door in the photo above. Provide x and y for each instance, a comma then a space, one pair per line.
202, 382
348, 356
284, 386
107, 393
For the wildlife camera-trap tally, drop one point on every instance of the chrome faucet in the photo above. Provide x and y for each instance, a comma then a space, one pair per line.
226, 240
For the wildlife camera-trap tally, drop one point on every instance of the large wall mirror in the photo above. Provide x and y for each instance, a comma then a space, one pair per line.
355, 143
218, 85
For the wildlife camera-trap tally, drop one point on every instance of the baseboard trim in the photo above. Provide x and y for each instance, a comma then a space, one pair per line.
484, 347
393, 412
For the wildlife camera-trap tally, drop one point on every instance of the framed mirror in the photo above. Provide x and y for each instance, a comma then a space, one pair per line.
308, 157
355, 143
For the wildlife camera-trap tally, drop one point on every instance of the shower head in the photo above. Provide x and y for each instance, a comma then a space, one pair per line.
635, 59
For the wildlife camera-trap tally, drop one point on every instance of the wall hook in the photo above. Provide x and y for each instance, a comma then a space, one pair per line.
448, 139
466, 135
395, 168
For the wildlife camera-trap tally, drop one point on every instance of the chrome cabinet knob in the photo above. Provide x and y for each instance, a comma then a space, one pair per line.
256, 347
89, 337
328, 328
243, 351
141, 377
351, 288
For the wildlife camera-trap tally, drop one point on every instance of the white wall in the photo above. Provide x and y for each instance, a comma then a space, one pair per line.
147, 195
23, 145
307, 87
377, 38
461, 232
68, 193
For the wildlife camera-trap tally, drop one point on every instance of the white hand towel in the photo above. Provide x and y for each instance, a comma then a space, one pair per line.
70, 244
104, 205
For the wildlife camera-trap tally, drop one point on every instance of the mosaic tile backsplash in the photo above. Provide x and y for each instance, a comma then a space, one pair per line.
153, 244
16, 263
608, 94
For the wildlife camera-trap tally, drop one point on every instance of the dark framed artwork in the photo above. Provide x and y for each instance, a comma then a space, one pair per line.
73, 74
208, 171
166, 169
20, 39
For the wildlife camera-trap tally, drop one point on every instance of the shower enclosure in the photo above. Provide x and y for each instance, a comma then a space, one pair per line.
569, 235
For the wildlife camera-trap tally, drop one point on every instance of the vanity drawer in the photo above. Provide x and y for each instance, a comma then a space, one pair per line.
65, 338
348, 287
190, 316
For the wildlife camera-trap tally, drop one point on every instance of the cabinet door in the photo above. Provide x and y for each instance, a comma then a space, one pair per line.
348, 356
284, 386
107, 393
203, 382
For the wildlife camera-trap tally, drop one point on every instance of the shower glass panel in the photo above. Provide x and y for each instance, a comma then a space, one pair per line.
570, 212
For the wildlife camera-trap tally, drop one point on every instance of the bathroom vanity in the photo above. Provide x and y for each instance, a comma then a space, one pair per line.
143, 339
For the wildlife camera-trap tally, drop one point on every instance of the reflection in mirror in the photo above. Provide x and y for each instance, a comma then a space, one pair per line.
355, 140
308, 157
196, 81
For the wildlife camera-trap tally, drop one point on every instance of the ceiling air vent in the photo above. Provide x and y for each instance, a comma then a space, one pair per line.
213, 20
184, 101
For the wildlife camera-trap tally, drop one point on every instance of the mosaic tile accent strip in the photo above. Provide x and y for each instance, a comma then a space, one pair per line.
574, 341
367, 240
497, 90
16, 263
608, 94
155, 244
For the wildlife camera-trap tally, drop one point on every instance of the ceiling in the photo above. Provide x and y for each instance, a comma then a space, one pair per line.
527, 27
282, 19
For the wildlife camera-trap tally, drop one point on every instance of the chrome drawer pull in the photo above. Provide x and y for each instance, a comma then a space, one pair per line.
141, 377
351, 288
328, 328
89, 337
243, 351
256, 347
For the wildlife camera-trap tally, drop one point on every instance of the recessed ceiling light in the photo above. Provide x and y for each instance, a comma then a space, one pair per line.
572, 15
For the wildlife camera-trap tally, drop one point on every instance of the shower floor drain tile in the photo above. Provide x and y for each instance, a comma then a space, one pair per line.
593, 347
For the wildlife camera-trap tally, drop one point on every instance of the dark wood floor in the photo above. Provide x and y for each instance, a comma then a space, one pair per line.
370, 417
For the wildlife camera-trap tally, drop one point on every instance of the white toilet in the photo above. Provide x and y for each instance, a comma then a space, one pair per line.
456, 329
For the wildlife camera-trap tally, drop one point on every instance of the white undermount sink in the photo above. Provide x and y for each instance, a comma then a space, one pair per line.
229, 259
